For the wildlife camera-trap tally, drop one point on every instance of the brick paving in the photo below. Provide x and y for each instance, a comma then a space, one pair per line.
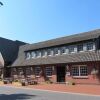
87, 89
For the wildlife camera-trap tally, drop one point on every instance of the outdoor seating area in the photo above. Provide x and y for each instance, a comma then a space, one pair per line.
22, 81
29, 81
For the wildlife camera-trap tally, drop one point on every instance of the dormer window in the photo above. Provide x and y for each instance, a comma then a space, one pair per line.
71, 49
63, 50
43, 53
28, 55
90, 46
38, 54
33, 54
49, 52
80, 47
56, 51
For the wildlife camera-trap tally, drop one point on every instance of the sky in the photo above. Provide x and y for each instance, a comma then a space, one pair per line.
33, 21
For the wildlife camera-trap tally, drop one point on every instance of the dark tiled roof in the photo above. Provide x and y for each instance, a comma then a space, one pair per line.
9, 49
78, 57
68, 58
64, 40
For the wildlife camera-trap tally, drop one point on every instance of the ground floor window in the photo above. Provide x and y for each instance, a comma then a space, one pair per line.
20, 71
38, 71
28, 71
14, 71
48, 71
79, 70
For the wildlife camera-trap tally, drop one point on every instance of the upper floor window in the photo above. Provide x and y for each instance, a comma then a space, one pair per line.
71, 49
63, 50
90, 46
56, 51
43, 53
80, 47
48, 52
33, 54
28, 55
38, 53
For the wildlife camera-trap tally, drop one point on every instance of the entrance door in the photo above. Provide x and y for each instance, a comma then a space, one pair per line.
61, 74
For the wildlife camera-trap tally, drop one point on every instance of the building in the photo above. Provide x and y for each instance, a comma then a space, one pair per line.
8, 54
72, 58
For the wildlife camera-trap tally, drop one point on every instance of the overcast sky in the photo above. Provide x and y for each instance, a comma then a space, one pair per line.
38, 20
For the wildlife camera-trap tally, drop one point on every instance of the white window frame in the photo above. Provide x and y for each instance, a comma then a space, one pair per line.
79, 69
28, 55
37, 71
43, 52
48, 70
88, 45
33, 52
54, 51
39, 54
62, 48
49, 50
70, 48
78, 48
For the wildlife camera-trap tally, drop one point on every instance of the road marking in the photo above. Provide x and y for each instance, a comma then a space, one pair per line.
82, 94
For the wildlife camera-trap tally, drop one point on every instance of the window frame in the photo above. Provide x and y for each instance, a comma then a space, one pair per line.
37, 54
63, 48
43, 53
54, 51
48, 71
36, 70
32, 54
88, 46
49, 51
70, 48
28, 55
79, 70
79, 48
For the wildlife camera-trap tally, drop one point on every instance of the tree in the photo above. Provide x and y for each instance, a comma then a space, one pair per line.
1, 4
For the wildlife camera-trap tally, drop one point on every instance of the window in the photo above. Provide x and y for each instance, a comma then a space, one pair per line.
38, 71
90, 46
79, 70
38, 54
48, 52
83, 71
28, 71
33, 54
48, 71
28, 55
56, 51
71, 49
20, 71
80, 47
43, 53
63, 50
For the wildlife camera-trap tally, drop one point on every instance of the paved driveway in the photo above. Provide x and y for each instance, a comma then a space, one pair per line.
11, 93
